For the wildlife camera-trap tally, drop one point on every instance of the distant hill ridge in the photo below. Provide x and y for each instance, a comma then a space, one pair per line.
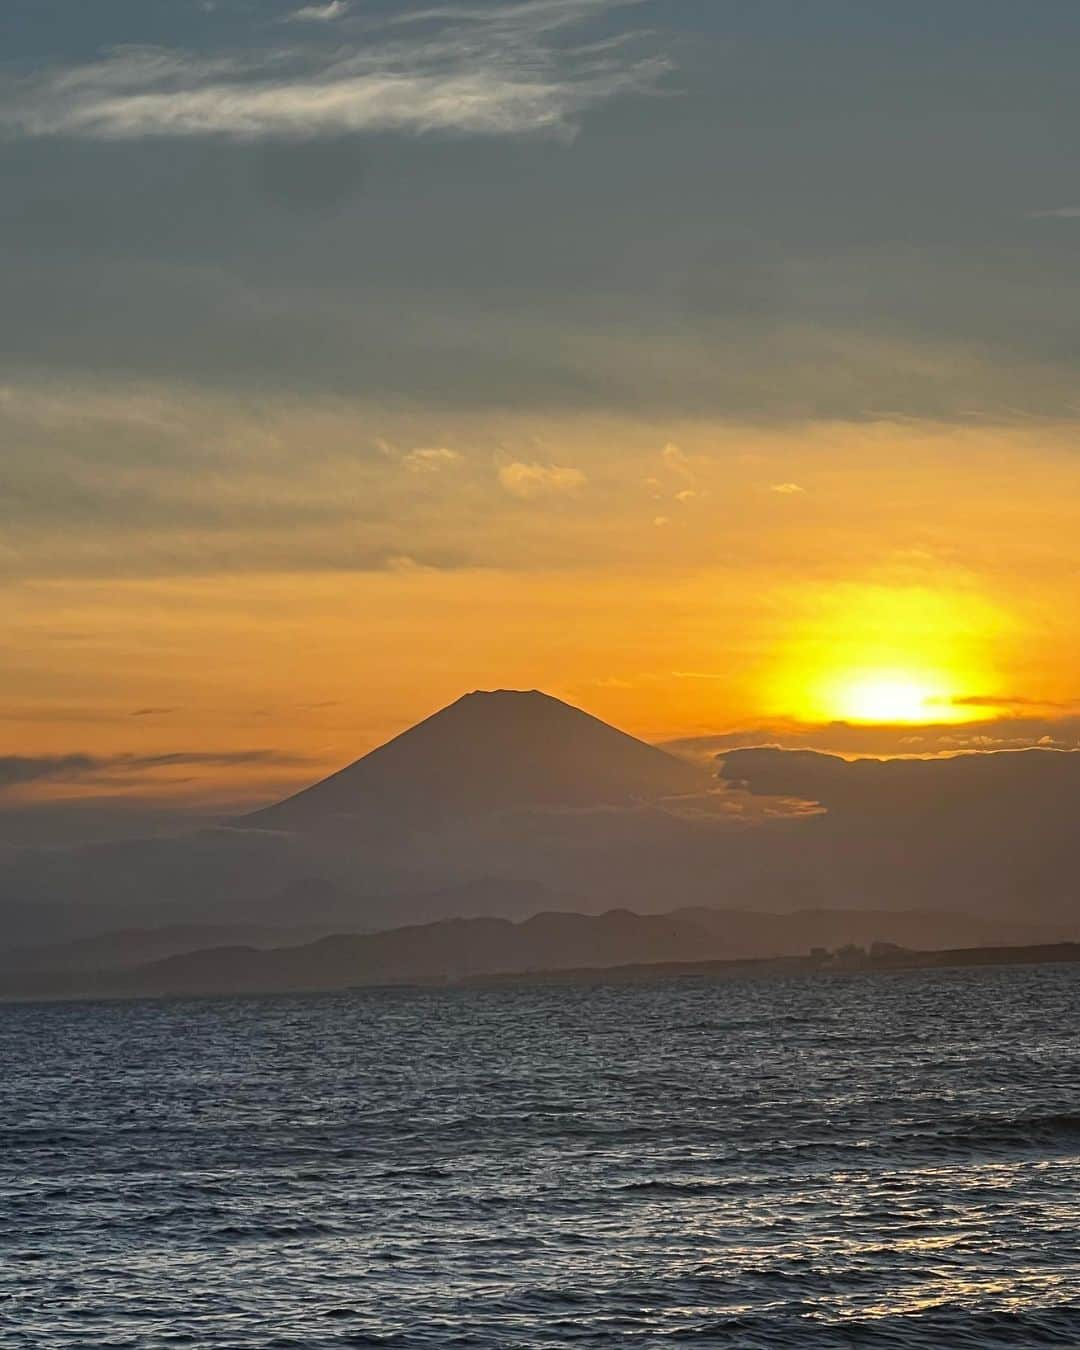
490, 751
458, 949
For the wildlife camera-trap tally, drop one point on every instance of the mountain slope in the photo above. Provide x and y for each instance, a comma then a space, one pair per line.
125, 948
489, 752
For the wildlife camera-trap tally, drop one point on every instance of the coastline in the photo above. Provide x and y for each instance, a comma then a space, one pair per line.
65, 987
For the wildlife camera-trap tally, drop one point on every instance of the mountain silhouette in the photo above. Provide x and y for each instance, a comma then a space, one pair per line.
489, 752
463, 948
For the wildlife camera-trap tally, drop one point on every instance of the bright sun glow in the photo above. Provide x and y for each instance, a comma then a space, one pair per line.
887, 698
889, 655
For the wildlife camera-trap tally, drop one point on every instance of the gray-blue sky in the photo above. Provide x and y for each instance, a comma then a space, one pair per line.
436, 203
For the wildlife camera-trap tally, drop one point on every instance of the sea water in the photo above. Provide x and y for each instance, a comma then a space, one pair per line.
859, 1160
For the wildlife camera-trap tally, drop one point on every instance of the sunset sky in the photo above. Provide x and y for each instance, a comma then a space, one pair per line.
710, 365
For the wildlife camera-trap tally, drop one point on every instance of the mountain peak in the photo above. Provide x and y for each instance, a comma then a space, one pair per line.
490, 751
500, 707
521, 698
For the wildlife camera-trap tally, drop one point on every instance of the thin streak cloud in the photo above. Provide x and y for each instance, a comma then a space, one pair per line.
19, 770
336, 9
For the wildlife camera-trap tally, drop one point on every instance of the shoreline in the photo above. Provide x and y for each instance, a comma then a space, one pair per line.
113, 986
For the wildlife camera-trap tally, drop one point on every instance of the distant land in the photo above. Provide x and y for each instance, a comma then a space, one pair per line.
461, 950
879, 962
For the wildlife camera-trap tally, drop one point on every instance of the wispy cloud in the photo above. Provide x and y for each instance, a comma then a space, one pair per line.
675, 460
786, 489
509, 70
336, 9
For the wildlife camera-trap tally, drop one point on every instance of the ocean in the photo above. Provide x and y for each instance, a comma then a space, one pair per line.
840, 1160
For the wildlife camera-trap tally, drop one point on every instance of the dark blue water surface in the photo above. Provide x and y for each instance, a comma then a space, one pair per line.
844, 1161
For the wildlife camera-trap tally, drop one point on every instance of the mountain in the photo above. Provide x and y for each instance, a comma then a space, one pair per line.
503, 803
459, 949
488, 753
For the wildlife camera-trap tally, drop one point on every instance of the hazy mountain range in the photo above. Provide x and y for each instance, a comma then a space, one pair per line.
506, 804
456, 949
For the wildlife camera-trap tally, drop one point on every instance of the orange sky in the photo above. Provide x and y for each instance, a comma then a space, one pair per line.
711, 366
676, 580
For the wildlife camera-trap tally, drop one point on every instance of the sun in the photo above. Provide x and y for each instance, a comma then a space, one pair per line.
884, 655
886, 698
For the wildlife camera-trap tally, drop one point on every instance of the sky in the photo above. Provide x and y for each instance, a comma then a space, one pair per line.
709, 364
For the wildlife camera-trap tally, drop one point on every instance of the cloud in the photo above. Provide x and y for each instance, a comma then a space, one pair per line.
676, 460
1002, 701
1030, 780
786, 489
852, 739
431, 460
1058, 212
509, 70
539, 480
156, 482
985, 833
336, 9
20, 770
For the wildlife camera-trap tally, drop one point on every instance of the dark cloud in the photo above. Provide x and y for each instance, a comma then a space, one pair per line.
19, 770
963, 783
1007, 701
15, 770
96, 819
977, 832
